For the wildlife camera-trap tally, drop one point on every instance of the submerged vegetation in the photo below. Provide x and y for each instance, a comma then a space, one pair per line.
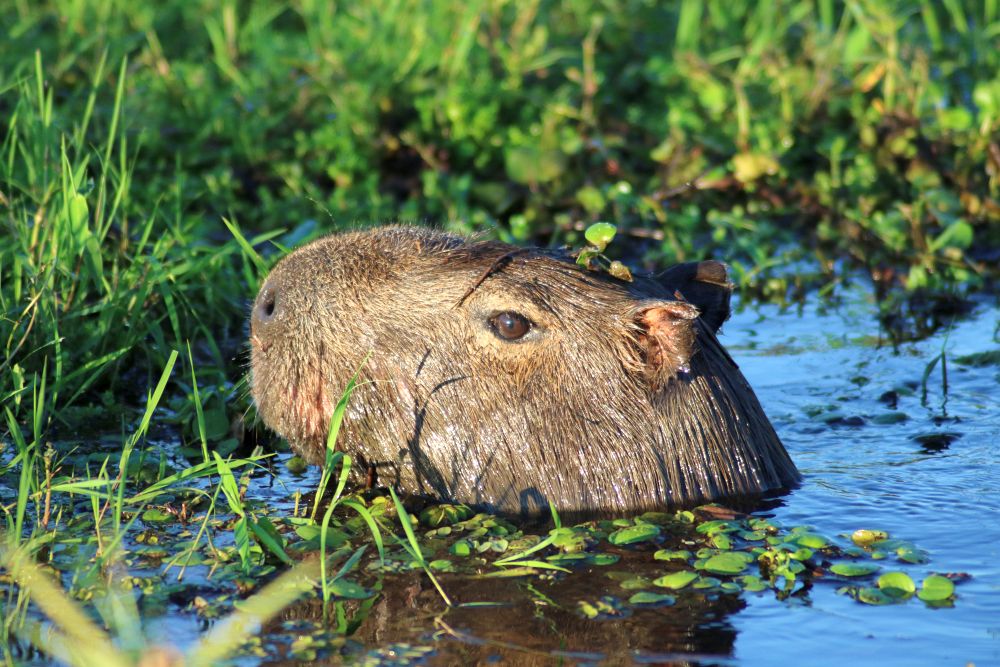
155, 158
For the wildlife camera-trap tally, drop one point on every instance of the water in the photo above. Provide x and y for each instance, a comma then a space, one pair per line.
945, 498
874, 453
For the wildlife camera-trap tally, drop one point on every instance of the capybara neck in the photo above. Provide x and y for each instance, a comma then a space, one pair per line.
506, 377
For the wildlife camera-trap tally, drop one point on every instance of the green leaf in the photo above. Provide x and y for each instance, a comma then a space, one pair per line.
812, 541
155, 515
956, 235
77, 216
641, 532
676, 580
730, 562
854, 569
445, 515
667, 554
460, 548
270, 538
936, 588
874, 596
600, 234
896, 584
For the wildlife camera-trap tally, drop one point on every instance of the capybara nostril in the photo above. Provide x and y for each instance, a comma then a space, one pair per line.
268, 306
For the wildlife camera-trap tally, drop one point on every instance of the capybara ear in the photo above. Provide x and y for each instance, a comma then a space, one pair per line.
706, 285
667, 339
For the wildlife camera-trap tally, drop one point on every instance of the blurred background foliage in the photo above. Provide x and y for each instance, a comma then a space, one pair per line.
802, 141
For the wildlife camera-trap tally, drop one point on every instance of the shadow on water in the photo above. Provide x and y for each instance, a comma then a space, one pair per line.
536, 622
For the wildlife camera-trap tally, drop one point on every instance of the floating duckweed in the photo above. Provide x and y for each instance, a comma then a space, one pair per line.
722, 541
635, 583
854, 569
650, 599
717, 526
802, 553
730, 562
461, 548
707, 582
603, 559
155, 515
936, 589
676, 580
897, 584
640, 532
874, 596
812, 541
752, 535
911, 555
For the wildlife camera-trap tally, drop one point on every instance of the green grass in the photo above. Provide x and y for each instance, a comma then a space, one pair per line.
139, 142
156, 158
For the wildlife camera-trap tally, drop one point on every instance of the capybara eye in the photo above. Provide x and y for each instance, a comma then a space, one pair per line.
510, 326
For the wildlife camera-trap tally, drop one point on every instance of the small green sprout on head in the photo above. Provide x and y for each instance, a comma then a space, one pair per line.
599, 235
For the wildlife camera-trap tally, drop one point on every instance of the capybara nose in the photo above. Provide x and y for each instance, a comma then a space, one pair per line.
268, 307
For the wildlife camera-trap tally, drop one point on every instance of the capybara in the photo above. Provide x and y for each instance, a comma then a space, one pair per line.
507, 377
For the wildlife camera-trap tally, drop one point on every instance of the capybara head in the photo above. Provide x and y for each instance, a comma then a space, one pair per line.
506, 377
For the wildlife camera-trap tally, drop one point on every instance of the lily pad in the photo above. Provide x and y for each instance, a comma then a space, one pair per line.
874, 596
155, 515
461, 548
936, 588
667, 554
730, 562
676, 580
640, 532
635, 583
911, 555
444, 515
896, 584
812, 541
854, 569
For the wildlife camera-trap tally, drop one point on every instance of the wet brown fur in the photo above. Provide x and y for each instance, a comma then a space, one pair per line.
619, 399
